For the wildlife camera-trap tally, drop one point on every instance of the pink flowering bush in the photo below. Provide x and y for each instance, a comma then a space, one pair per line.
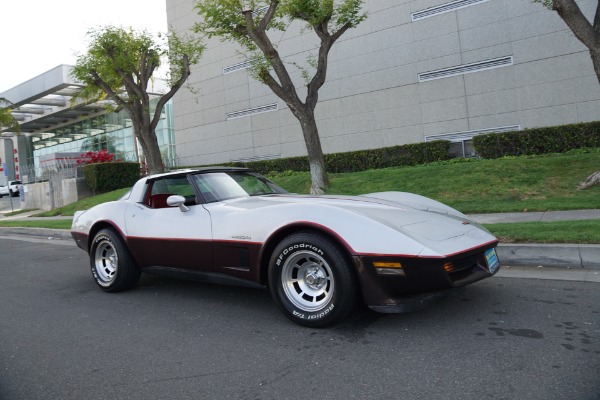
95, 157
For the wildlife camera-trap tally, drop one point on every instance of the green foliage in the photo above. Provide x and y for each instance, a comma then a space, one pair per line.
546, 3
226, 20
396, 156
122, 57
315, 12
180, 48
120, 64
554, 139
105, 177
49, 224
547, 232
354, 161
7, 120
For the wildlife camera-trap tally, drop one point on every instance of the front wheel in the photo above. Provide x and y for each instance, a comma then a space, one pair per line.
312, 281
112, 266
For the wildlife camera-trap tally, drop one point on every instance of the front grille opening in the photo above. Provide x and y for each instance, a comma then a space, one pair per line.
465, 269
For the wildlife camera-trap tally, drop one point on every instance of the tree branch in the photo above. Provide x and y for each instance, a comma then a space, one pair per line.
264, 23
569, 11
108, 90
185, 73
597, 19
327, 42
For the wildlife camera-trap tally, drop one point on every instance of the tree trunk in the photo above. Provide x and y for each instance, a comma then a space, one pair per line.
149, 143
151, 150
318, 169
595, 54
593, 179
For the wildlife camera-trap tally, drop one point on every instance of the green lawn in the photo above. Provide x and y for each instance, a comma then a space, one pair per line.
582, 232
49, 223
472, 186
69, 209
478, 186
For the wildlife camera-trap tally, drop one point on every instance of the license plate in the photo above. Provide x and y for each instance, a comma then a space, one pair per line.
492, 260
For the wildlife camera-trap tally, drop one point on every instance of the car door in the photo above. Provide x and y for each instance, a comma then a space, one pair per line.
162, 236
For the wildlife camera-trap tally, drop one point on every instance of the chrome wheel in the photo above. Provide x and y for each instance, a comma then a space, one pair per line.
106, 261
307, 281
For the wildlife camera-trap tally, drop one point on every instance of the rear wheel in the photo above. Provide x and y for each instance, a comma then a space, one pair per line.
112, 266
312, 281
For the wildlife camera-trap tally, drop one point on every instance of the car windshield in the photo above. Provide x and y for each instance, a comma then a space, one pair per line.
217, 186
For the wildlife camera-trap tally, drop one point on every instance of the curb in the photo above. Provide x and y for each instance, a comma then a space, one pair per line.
551, 255
569, 256
37, 232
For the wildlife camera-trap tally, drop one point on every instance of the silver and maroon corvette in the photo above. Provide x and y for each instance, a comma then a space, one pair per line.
319, 255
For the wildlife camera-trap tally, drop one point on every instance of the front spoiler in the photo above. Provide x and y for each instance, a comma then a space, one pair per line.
416, 302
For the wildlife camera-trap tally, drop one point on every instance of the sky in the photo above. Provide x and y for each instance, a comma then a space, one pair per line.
38, 35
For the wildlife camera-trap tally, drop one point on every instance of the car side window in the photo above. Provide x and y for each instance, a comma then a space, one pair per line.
161, 189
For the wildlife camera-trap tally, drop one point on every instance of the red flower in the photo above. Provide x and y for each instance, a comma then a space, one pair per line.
94, 157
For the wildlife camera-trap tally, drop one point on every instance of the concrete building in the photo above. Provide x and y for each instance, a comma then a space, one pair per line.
413, 71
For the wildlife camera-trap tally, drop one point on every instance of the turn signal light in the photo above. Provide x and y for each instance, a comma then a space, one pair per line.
387, 264
449, 267
389, 268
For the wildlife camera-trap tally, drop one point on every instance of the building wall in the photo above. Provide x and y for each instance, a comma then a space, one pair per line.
373, 96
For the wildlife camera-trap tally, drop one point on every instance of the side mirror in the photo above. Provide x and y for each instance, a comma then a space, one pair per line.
177, 201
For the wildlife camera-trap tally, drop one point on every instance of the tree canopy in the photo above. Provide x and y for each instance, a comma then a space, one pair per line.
120, 65
7, 120
250, 22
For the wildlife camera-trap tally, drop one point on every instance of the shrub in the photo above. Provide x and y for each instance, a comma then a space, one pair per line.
535, 141
108, 176
361, 160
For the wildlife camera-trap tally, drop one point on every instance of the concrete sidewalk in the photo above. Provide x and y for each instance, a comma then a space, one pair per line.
569, 256
536, 216
545, 255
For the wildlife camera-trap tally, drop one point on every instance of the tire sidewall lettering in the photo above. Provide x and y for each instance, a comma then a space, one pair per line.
291, 249
99, 239
286, 253
314, 316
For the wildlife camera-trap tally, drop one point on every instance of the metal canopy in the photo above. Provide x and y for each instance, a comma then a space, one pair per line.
44, 103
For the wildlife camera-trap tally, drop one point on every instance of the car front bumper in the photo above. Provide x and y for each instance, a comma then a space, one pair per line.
420, 281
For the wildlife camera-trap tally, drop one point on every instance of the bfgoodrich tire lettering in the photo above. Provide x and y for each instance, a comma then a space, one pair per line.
112, 266
311, 280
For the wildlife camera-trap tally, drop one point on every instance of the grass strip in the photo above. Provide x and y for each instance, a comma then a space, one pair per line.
84, 204
45, 223
472, 186
580, 232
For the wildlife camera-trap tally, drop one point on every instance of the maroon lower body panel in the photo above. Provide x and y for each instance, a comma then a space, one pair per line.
173, 253
236, 259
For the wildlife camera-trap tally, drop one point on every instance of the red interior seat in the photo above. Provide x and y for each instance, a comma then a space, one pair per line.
159, 200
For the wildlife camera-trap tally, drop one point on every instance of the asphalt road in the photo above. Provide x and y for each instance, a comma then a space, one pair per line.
63, 338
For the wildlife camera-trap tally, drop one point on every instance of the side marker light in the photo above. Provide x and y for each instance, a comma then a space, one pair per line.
387, 265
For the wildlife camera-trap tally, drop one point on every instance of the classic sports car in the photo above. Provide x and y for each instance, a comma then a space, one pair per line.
319, 255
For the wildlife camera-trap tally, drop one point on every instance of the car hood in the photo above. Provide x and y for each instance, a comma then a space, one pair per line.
416, 216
